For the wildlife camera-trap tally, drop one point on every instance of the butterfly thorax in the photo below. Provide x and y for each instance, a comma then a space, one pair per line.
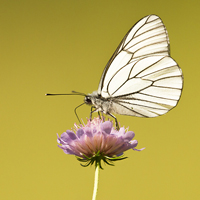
100, 103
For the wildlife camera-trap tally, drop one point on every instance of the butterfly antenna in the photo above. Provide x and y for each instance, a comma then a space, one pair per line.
78, 93
73, 93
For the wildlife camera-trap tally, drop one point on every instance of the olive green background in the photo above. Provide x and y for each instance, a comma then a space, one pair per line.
60, 46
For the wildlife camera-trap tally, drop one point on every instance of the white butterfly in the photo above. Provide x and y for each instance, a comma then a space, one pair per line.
140, 79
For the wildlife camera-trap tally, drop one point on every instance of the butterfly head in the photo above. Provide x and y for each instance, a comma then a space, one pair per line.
92, 99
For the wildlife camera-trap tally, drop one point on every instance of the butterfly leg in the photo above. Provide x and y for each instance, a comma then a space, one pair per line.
116, 122
76, 112
100, 115
103, 118
92, 112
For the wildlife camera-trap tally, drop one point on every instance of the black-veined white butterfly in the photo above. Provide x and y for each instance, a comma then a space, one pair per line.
140, 79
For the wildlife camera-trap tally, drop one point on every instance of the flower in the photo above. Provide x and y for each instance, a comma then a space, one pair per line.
96, 141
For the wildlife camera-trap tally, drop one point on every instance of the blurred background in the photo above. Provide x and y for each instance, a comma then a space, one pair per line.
60, 46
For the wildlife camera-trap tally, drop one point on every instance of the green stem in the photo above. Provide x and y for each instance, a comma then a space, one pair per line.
96, 179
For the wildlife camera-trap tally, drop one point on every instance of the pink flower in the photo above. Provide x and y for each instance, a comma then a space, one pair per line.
96, 141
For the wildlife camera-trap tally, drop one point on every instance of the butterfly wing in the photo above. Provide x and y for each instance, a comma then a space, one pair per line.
141, 78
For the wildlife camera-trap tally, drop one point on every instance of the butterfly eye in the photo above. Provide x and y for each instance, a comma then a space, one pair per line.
88, 100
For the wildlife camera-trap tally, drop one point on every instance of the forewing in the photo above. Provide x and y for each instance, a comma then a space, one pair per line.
152, 87
147, 37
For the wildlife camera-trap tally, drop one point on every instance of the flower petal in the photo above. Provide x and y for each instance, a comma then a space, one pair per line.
106, 127
128, 136
64, 138
79, 133
133, 143
139, 149
88, 132
121, 131
66, 149
120, 154
69, 151
71, 135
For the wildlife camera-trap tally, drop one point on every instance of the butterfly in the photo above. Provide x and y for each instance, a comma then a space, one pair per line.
140, 79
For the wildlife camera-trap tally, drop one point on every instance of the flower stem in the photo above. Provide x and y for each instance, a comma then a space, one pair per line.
96, 179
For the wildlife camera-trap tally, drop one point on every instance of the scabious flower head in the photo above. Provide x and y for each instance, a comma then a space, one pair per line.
96, 141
